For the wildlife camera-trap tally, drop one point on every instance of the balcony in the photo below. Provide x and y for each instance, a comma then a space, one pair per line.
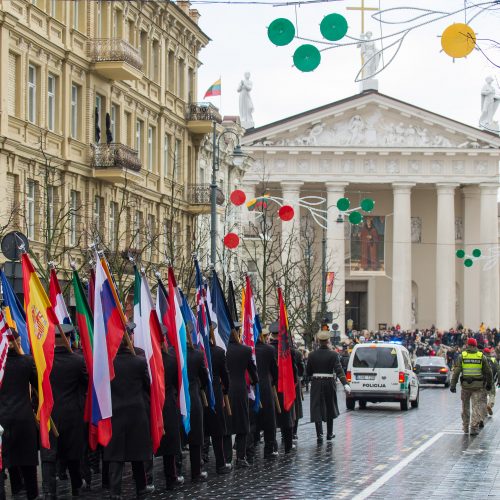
198, 196
115, 162
115, 59
200, 116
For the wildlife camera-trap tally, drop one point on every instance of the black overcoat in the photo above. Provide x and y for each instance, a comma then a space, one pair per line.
299, 363
198, 380
170, 443
20, 438
285, 419
323, 390
69, 384
216, 420
239, 362
267, 369
130, 391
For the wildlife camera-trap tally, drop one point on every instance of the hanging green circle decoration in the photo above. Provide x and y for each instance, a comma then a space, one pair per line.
468, 262
476, 253
343, 204
367, 204
281, 31
460, 254
307, 58
355, 218
333, 27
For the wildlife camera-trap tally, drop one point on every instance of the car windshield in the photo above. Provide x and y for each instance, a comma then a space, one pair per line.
375, 357
430, 361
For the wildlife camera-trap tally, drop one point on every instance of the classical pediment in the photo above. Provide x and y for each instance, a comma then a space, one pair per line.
379, 122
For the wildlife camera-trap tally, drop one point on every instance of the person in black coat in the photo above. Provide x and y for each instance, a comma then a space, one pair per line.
299, 363
198, 380
322, 366
267, 369
20, 438
68, 379
286, 419
131, 438
239, 362
217, 426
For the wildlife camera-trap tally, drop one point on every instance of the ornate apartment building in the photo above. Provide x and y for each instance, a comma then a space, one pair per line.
100, 132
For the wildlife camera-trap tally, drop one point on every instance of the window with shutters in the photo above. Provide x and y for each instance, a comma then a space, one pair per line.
12, 88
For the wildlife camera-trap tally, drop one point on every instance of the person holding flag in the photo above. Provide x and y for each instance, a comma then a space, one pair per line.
20, 439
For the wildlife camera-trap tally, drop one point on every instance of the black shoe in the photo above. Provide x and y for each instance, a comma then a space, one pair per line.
292, 448
329, 437
295, 437
481, 424
320, 438
179, 481
271, 456
201, 478
241, 463
225, 469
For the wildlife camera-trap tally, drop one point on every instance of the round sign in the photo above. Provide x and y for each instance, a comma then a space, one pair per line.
343, 204
458, 40
333, 27
281, 31
237, 197
367, 204
307, 58
460, 254
286, 213
468, 262
355, 218
476, 253
231, 240
335, 327
11, 243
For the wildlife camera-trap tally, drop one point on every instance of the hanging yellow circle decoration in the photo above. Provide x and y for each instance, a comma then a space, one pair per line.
458, 40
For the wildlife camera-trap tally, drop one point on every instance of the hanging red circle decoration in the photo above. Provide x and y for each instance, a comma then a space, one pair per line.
231, 240
237, 197
286, 213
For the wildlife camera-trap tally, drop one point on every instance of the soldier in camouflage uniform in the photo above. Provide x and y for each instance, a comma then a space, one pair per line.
476, 376
495, 369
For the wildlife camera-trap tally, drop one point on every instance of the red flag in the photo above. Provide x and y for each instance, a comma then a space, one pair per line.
286, 382
91, 290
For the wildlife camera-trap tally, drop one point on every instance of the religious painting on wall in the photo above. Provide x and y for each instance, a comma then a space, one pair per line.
367, 246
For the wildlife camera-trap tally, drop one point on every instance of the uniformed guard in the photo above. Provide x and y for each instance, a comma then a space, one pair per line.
131, 437
476, 374
267, 369
495, 368
323, 365
239, 363
20, 438
68, 379
299, 363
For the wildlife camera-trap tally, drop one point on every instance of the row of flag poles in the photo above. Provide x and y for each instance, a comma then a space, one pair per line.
102, 327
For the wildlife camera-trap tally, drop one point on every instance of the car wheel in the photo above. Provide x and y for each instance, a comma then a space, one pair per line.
362, 405
405, 403
414, 404
350, 404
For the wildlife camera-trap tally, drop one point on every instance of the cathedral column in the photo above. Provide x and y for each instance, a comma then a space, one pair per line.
335, 244
401, 255
489, 287
445, 257
290, 230
471, 285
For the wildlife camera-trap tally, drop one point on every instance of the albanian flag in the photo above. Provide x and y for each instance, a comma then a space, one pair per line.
286, 382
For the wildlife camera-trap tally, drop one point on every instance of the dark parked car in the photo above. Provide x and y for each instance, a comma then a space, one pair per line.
432, 370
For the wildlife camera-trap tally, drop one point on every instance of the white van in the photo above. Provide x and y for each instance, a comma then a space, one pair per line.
381, 372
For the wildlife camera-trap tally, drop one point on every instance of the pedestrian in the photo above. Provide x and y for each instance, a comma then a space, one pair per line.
68, 379
239, 363
20, 438
323, 366
131, 436
267, 369
495, 368
475, 374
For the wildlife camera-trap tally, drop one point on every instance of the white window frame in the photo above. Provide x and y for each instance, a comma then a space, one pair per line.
30, 209
99, 19
97, 212
113, 115
53, 7
74, 110
166, 162
76, 16
112, 225
150, 148
32, 84
178, 147
51, 102
139, 124
73, 207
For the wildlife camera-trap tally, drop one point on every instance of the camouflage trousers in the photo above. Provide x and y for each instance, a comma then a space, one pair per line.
492, 396
472, 412
483, 404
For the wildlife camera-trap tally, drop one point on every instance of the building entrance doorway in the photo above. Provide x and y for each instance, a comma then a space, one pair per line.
356, 305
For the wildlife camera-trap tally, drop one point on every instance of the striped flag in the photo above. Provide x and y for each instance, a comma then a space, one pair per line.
58, 304
179, 342
14, 313
148, 336
162, 310
41, 322
219, 312
214, 89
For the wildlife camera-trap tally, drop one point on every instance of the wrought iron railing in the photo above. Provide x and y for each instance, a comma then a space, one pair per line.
199, 194
203, 111
114, 49
114, 156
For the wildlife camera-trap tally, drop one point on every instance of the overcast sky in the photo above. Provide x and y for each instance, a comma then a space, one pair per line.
420, 74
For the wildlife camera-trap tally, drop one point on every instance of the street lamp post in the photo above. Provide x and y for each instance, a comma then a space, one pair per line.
238, 159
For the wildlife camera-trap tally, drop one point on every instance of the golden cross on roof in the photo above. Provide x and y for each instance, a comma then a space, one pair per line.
362, 9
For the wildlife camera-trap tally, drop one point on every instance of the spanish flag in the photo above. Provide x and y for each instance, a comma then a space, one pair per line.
42, 322
214, 89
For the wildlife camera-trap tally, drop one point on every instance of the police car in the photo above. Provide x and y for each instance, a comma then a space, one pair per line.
381, 372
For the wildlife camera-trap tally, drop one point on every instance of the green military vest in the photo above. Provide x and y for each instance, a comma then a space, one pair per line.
472, 365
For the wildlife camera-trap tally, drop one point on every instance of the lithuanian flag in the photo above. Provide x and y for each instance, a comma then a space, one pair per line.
214, 89
42, 322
